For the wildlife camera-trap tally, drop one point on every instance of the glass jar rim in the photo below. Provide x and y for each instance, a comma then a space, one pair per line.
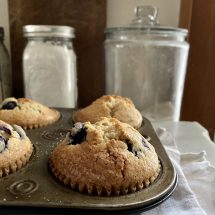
146, 22
48, 31
161, 30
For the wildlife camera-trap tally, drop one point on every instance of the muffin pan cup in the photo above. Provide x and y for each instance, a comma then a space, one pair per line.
34, 189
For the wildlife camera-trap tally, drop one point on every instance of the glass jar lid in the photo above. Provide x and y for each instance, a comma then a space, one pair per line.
146, 22
48, 31
1, 33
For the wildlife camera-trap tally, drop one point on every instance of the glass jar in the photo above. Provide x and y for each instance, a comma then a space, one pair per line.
147, 62
49, 65
5, 70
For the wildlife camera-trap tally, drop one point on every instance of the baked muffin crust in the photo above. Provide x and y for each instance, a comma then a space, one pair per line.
27, 113
15, 148
113, 106
105, 158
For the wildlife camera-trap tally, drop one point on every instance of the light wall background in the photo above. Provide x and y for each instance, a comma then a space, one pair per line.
4, 21
119, 13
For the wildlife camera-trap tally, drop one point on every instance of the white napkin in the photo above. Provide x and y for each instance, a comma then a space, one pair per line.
201, 177
194, 193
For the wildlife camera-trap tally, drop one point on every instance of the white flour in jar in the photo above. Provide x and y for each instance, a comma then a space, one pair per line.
50, 73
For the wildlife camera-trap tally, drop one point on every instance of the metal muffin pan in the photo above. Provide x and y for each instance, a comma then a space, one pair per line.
33, 189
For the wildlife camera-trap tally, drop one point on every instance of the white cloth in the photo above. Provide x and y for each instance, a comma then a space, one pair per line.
195, 192
201, 177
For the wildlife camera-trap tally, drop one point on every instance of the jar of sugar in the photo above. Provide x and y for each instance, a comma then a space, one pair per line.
49, 65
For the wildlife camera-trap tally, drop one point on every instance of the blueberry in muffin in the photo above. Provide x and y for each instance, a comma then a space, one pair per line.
105, 158
15, 148
27, 113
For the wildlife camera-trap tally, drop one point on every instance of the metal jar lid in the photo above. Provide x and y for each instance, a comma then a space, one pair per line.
146, 22
48, 31
1, 33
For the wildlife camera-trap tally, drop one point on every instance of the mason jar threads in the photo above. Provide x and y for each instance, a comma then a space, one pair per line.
5, 69
49, 65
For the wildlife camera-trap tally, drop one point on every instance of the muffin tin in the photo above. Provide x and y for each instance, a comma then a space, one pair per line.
33, 189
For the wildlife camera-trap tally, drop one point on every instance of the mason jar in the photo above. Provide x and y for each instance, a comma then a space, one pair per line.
49, 65
146, 62
5, 69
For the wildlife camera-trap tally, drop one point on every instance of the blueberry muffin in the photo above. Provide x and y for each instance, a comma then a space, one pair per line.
27, 113
15, 148
114, 106
105, 158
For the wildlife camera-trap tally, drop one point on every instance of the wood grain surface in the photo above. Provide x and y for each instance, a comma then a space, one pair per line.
89, 20
199, 93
